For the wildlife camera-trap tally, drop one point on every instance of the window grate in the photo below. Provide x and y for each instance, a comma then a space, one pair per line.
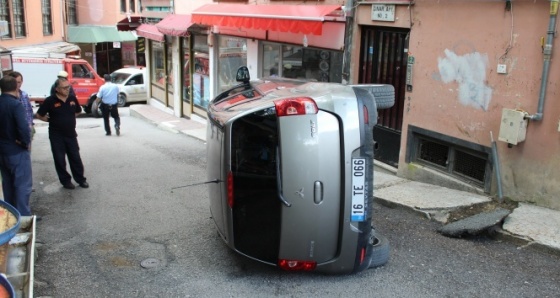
469, 165
433, 152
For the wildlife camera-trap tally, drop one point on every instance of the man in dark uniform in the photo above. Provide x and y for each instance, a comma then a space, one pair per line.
15, 139
60, 111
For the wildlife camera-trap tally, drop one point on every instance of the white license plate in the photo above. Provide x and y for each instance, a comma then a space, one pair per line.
358, 212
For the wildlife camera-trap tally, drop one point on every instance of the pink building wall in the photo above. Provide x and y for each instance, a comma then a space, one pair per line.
457, 46
34, 26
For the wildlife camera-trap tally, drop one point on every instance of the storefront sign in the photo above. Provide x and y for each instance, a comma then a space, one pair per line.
383, 12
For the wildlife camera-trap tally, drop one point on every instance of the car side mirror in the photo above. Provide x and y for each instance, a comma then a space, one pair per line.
243, 75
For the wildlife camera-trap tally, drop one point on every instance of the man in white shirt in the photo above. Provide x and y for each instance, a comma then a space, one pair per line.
108, 94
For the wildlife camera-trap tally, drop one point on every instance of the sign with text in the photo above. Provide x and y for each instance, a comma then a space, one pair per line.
383, 12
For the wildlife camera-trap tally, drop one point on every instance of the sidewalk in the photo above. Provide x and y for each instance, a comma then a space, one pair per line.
527, 224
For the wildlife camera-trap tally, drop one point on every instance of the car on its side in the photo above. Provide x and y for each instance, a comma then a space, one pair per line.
132, 88
290, 172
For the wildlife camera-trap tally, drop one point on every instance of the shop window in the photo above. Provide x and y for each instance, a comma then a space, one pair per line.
201, 75
169, 68
158, 71
297, 62
232, 53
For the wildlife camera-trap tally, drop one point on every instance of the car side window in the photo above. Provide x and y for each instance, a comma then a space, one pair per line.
80, 71
135, 80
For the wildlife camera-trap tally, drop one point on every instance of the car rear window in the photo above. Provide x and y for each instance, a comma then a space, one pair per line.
253, 165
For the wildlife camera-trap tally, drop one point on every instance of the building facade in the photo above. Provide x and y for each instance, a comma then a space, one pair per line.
474, 82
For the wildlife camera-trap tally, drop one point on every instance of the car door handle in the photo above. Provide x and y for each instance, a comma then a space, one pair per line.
318, 192
279, 181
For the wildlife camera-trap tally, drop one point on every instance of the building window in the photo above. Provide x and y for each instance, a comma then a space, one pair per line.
19, 18
6, 16
158, 71
232, 55
123, 6
469, 162
47, 20
71, 12
297, 62
132, 6
158, 8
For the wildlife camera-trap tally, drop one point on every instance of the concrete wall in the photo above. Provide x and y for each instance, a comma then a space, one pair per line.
457, 46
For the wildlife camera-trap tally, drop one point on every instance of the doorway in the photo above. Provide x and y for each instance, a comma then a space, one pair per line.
383, 60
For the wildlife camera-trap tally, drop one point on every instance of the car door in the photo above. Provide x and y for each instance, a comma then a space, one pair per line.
135, 88
83, 80
310, 177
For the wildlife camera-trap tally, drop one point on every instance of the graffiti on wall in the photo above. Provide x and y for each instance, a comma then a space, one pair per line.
469, 71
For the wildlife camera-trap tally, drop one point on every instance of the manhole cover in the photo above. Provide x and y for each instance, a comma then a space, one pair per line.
149, 263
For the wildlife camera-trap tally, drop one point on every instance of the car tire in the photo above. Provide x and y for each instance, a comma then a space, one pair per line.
379, 250
87, 108
121, 101
96, 109
384, 94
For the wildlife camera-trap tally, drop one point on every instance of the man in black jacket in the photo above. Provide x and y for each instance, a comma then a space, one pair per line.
60, 111
15, 139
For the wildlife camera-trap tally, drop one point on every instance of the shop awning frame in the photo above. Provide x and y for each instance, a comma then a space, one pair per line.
150, 31
129, 24
175, 25
98, 34
305, 19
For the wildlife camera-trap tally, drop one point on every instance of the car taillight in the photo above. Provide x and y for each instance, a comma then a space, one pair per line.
229, 186
366, 115
295, 106
293, 265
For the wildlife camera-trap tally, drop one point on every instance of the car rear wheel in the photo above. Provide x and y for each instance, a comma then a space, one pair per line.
121, 100
379, 250
96, 109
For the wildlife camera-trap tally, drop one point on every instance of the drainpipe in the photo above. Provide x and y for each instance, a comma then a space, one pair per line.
547, 50
348, 38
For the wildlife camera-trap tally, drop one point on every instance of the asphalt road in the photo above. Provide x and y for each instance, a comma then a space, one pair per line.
137, 232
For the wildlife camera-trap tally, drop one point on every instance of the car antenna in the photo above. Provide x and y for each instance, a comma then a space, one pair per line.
198, 183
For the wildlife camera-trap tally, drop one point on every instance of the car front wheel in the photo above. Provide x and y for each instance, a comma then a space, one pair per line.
122, 100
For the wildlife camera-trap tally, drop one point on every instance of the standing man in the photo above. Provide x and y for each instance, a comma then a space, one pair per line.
108, 94
60, 111
24, 98
15, 138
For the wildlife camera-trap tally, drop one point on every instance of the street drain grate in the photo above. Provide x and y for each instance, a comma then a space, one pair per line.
149, 263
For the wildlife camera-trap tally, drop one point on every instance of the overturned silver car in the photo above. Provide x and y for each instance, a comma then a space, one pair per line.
293, 166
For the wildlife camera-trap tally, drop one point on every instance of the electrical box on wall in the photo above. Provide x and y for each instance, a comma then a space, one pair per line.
513, 127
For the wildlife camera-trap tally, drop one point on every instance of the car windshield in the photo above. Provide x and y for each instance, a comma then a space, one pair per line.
119, 77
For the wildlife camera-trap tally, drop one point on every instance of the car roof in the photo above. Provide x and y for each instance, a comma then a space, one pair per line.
130, 70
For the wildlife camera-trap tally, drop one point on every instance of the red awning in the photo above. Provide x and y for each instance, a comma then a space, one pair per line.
306, 19
175, 24
129, 25
149, 31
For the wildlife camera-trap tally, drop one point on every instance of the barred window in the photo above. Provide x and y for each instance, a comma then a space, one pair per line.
19, 18
71, 12
123, 6
131, 6
47, 17
5, 16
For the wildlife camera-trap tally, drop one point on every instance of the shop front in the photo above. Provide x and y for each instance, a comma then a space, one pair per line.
104, 47
288, 41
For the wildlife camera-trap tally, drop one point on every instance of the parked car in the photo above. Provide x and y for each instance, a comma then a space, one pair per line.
290, 169
132, 88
